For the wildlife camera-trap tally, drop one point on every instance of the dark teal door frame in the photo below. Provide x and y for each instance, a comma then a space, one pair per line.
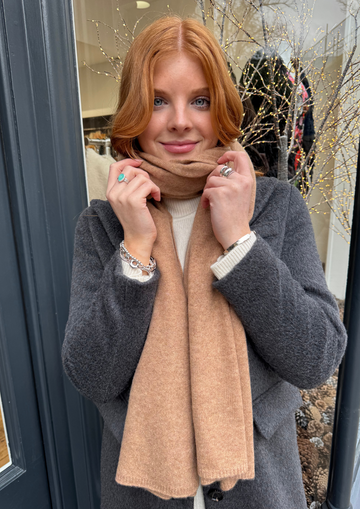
347, 410
41, 139
25, 482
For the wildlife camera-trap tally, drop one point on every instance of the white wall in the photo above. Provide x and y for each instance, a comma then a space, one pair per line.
338, 248
99, 94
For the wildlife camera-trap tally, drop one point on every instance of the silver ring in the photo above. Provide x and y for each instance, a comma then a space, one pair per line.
121, 178
223, 169
226, 171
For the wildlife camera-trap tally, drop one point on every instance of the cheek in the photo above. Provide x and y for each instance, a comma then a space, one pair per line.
209, 132
145, 138
151, 132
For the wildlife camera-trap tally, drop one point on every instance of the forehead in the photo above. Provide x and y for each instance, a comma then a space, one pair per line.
179, 68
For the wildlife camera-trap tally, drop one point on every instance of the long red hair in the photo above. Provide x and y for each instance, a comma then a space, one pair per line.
136, 99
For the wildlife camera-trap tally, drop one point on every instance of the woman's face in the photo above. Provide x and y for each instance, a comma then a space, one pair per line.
180, 127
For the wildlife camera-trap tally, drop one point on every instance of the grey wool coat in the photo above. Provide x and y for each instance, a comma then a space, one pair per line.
294, 334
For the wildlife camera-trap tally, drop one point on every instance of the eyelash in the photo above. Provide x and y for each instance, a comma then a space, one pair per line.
205, 106
207, 102
157, 105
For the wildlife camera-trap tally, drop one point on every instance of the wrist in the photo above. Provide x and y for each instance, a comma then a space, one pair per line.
140, 249
246, 240
134, 262
235, 236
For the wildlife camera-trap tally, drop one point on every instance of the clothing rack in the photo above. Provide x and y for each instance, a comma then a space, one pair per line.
97, 143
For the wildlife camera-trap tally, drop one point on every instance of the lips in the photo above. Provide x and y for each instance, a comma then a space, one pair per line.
180, 147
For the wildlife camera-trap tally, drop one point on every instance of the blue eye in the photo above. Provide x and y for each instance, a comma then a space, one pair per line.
202, 102
158, 101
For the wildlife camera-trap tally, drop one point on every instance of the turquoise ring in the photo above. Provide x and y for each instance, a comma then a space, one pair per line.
122, 178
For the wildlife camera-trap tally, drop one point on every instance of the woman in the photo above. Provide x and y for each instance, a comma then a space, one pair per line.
164, 354
255, 80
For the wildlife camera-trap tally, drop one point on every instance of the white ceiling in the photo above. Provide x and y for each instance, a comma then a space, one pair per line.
326, 12
106, 12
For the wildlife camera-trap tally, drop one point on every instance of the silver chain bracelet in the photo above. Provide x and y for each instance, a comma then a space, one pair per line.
134, 262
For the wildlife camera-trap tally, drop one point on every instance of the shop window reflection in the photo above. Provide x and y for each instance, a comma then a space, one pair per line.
103, 37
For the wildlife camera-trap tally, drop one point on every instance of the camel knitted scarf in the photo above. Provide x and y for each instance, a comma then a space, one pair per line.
190, 408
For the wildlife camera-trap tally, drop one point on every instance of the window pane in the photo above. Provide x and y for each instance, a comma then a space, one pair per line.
315, 47
5, 458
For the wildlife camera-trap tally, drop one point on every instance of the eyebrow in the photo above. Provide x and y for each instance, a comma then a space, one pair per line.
197, 91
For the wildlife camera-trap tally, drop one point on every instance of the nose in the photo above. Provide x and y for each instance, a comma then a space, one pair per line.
180, 118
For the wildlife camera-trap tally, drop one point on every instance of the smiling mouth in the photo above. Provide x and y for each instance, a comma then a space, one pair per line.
180, 147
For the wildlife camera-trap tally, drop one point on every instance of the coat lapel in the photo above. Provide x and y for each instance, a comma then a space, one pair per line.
264, 188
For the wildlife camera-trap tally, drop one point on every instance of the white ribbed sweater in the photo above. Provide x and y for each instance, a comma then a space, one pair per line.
183, 215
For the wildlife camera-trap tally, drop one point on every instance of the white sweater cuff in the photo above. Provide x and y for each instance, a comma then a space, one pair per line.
132, 273
225, 263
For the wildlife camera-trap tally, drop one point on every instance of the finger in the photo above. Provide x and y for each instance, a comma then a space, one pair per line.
123, 190
131, 173
140, 179
216, 173
208, 197
116, 168
135, 182
205, 198
142, 188
242, 163
218, 181
204, 201
119, 165
231, 155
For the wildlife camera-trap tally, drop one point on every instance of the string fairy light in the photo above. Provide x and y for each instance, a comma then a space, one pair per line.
332, 159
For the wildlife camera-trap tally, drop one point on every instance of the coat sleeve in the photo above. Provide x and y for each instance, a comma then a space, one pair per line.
108, 321
284, 303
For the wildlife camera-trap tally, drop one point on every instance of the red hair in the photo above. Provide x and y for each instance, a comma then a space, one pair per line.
136, 100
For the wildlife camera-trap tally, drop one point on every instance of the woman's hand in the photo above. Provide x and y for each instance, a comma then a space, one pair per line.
229, 198
128, 201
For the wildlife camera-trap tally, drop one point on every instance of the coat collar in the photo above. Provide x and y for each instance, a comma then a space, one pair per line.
264, 189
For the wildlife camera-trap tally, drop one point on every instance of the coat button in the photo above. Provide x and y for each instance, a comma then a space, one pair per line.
215, 495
